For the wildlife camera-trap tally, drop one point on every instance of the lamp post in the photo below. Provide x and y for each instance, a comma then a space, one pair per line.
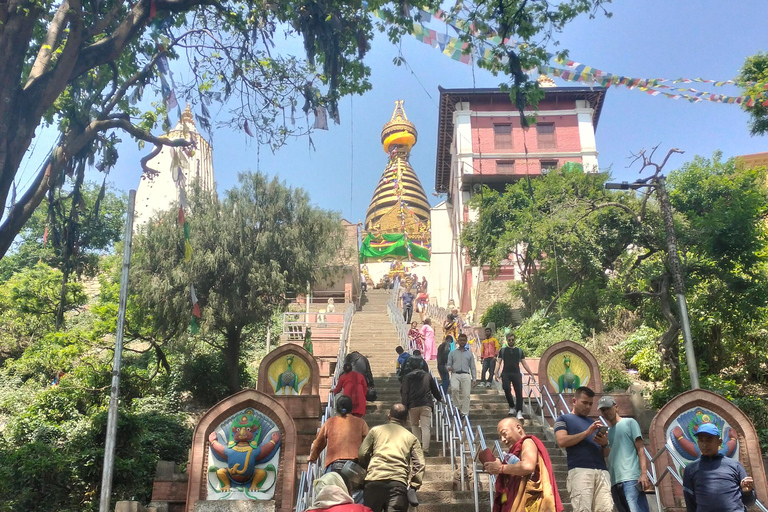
659, 184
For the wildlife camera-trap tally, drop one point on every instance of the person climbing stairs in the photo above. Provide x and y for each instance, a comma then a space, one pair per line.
373, 335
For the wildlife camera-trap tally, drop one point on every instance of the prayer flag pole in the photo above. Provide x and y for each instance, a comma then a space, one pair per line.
109, 448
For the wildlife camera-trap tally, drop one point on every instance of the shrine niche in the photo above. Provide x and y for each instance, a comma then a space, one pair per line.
566, 366
681, 434
243, 451
674, 426
289, 370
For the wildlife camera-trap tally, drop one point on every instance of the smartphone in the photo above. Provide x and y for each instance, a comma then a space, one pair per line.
602, 430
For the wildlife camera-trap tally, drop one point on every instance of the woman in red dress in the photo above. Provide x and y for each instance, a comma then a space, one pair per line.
415, 336
354, 386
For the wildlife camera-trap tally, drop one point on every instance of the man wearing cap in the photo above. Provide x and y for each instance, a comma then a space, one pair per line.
713, 482
627, 463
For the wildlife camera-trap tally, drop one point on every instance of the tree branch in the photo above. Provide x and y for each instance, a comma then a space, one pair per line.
50, 43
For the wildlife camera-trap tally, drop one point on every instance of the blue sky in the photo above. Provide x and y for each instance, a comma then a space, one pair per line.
644, 39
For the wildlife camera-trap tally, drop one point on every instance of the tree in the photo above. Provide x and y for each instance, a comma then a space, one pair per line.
85, 68
261, 242
29, 301
755, 70
561, 240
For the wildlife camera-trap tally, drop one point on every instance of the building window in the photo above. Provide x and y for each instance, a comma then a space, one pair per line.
548, 165
545, 133
502, 136
505, 167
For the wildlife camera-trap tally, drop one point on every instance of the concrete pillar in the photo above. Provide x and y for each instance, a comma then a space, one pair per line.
584, 113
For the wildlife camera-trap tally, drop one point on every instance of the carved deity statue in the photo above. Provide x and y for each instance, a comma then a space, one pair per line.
244, 450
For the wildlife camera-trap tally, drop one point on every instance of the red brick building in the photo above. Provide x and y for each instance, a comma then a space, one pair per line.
481, 141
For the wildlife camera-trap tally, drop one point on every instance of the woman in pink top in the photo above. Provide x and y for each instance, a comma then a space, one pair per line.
428, 333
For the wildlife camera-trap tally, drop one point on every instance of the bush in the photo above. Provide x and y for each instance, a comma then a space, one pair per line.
537, 333
641, 352
500, 313
615, 380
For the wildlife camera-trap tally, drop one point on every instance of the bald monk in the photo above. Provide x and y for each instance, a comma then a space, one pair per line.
528, 485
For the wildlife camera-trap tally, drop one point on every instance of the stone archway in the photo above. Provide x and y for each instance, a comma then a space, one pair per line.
274, 362
699, 405
268, 406
584, 364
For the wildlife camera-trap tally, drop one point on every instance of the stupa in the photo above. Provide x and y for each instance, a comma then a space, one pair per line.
397, 222
174, 168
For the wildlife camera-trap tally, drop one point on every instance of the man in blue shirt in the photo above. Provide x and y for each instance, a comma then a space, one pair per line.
407, 300
586, 446
713, 482
627, 462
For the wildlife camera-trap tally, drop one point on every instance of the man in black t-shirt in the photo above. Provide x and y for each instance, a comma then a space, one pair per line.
511, 357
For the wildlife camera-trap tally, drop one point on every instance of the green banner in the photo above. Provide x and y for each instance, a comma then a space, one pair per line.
392, 246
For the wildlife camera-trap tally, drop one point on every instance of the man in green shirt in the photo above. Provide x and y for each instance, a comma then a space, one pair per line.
627, 463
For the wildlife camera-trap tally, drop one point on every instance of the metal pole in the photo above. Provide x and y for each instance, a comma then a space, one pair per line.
677, 279
109, 448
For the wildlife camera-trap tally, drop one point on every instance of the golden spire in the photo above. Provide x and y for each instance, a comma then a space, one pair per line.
186, 116
399, 202
399, 131
545, 81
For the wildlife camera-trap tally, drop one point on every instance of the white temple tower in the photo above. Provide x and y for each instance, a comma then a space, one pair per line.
156, 192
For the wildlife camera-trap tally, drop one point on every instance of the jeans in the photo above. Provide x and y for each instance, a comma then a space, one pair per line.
516, 380
421, 423
489, 363
445, 379
386, 496
407, 312
627, 498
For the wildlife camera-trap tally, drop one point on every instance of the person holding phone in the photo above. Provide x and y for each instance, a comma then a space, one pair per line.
627, 463
588, 479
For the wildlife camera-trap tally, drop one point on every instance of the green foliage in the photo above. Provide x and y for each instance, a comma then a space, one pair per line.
641, 352
756, 70
96, 232
615, 380
500, 313
261, 242
28, 303
562, 242
537, 333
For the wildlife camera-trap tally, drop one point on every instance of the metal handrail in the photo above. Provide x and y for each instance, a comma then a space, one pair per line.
306, 490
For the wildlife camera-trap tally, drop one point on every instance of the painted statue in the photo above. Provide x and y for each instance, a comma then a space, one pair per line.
570, 375
568, 381
685, 426
247, 457
288, 375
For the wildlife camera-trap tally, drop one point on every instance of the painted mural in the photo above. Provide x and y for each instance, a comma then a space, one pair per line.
680, 435
243, 456
567, 371
288, 375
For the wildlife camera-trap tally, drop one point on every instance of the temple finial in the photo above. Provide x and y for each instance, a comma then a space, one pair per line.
399, 113
186, 116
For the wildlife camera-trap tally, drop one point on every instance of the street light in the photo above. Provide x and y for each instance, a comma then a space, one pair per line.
658, 182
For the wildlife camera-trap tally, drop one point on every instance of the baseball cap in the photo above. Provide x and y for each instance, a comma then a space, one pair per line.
605, 402
708, 428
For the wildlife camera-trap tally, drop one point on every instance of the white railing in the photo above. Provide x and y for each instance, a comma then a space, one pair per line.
315, 469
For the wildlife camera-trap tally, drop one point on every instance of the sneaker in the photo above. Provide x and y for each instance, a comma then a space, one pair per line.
486, 384
520, 414
512, 412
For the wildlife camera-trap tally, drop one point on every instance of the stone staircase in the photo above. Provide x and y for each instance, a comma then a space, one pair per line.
374, 336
